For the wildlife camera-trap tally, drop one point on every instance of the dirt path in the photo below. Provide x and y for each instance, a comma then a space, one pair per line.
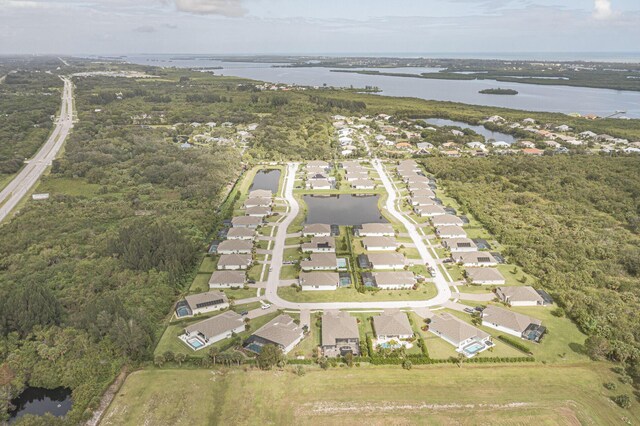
107, 398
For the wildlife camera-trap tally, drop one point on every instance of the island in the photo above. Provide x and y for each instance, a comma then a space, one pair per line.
498, 91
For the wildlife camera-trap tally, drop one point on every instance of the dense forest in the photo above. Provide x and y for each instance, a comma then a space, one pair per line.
574, 222
87, 276
28, 100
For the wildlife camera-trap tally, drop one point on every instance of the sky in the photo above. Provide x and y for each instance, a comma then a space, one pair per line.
113, 27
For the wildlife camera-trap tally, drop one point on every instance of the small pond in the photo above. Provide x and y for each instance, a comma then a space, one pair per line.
38, 401
345, 209
266, 179
481, 130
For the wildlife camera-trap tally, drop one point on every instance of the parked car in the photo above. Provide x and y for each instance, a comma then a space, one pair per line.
266, 306
469, 310
243, 313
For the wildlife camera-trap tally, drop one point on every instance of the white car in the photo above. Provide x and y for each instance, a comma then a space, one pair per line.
266, 306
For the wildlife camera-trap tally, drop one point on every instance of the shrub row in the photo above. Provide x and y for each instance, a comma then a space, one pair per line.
515, 343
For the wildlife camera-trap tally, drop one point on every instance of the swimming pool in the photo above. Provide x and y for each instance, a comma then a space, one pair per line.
473, 348
195, 343
254, 347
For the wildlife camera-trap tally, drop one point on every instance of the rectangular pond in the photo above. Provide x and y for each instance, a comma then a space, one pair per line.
266, 179
344, 209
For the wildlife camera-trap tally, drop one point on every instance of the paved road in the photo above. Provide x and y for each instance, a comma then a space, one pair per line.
11, 195
271, 293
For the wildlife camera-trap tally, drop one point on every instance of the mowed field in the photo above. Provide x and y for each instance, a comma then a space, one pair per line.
439, 394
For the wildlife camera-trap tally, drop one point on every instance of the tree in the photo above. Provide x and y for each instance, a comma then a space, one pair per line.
180, 358
406, 364
29, 305
159, 360
168, 356
213, 353
270, 356
597, 347
622, 400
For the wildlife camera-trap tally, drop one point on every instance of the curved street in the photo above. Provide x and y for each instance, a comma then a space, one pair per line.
20, 185
271, 292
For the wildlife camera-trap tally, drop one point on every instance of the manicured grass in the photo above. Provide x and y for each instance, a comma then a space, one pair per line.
291, 254
424, 292
289, 272
438, 394
255, 271
241, 293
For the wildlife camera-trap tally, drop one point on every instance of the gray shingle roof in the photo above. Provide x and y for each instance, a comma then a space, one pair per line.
392, 323
281, 330
217, 325
508, 319
455, 329
338, 325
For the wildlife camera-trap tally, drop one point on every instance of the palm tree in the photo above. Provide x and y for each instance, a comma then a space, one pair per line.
213, 353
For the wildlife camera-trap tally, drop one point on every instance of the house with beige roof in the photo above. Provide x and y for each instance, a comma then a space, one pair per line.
340, 334
467, 339
319, 280
400, 280
457, 245
513, 323
387, 260
362, 184
258, 211
260, 193
316, 230
282, 331
257, 202
422, 201
355, 175
320, 245
201, 303
235, 247
392, 325
450, 231
319, 184
429, 211
320, 262
227, 279
379, 243
234, 261
484, 276
475, 258
520, 296
446, 220
424, 192
241, 234
376, 230
317, 163
246, 222
204, 333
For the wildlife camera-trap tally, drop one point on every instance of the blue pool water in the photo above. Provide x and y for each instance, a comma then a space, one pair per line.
342, 262
195, 343
473, 348
254, 347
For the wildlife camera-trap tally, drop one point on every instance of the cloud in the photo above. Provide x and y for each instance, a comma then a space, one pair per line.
230, 8
145, 29
602, 9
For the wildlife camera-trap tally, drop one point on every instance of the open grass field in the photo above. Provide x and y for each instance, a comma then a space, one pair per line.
425, 291
439, 394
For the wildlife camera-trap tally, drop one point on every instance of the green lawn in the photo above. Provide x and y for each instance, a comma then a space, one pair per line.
425, 291
289, 272
255, 271
438, 394
292, 254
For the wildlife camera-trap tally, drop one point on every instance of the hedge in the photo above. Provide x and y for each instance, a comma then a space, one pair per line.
516, 344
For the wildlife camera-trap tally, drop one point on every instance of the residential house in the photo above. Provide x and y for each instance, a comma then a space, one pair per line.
258, 211
519, 296
320, 164
423, 201
456, 245
363, 184
450, 231
320, 245
241, 234
340, 334
353, 175
227, 279
204, 333
257, 202
446, 220
376, 230
379, 243
475, 258
318, 184
234, 261
235, 246
484, 276
400, 280
246, 222
387, 260
317, 230
429, 211
320, 262
424, 192
513, 323
466, 338
201, 303
392, 325
319, 280
533, 151
282, 331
